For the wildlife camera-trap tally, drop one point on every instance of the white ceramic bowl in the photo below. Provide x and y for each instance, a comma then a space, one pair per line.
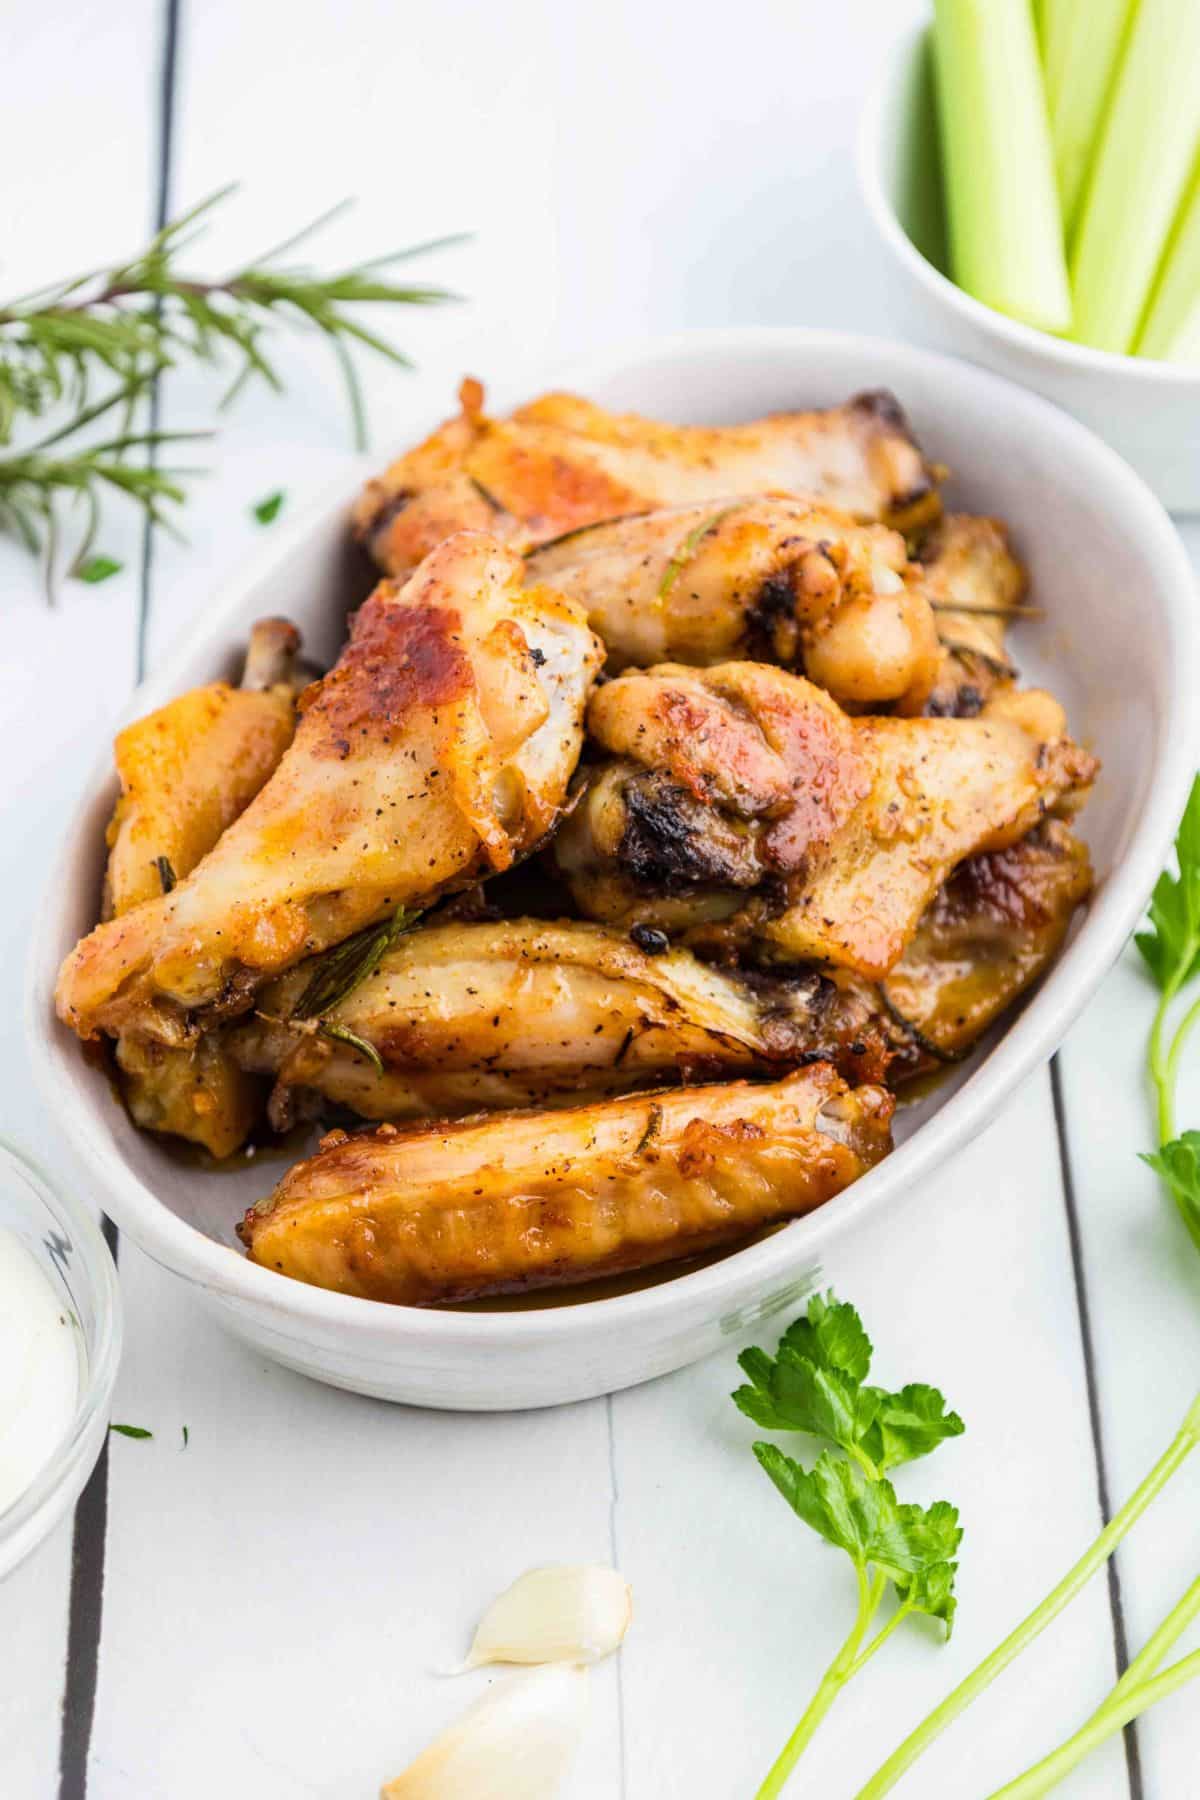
1119, 639
65, 1242
1149, 411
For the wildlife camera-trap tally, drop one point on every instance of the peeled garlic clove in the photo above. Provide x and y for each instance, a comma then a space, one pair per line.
567, 1612
515, 1743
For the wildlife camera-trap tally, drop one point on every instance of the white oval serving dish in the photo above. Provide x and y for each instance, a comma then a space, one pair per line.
1148, 410
1119, 642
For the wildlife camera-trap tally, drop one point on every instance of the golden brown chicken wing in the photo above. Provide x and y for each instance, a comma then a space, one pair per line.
186, 772
522, 1012
779, 579
192, 767
520, 1200
561, 463
439, 746
992, 930
744, 807
975, 587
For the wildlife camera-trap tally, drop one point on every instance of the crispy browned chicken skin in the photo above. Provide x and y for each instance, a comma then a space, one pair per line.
440, 745
187, 771
991, 931
561, 463
857, 843
520, 1200
975, 587
782, 580
520, 1012
742, 808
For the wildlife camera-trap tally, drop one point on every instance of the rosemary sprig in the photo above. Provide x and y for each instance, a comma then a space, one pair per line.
340, 970
1015, 611
688, 548
124, 325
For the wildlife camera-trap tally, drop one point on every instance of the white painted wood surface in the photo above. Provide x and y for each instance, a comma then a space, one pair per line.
278, 1592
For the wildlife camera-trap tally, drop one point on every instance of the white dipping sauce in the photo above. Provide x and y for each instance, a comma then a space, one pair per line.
39, 1369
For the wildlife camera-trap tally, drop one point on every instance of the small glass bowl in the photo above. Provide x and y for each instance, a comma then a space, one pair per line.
71, 1252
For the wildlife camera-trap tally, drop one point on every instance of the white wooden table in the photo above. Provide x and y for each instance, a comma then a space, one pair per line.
258, 1614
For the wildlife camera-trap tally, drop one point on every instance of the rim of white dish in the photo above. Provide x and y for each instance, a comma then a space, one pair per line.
722, 1285
1147, 370
58, 1481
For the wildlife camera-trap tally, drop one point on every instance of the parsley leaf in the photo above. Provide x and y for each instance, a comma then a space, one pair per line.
1178, 1162
1171, 948
910, 1424
132, 1431
831, 1334
860, 1514
815, 1384
268, 510
97, 569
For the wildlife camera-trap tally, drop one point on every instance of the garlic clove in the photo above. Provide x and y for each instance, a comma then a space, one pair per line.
515, 1743
566, 1612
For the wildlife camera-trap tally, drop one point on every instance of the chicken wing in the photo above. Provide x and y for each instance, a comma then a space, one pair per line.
520, 1012
992, 930
974, 585
743, 806
186, 772
783, 580
190, 768
520, 1200
561, 463
440, 745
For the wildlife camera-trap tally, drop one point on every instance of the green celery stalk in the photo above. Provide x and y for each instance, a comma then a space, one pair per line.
1172, 328
1139, 174
1081, 47
1001, 199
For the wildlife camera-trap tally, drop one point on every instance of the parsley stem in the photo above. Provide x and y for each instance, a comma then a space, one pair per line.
870, 1593
1159, 1063
1148, 1658
1121, 1707
1172, 1067
882, 1635
956, 1702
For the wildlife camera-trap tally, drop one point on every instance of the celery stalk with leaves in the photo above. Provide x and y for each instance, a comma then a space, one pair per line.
1140, 175
1006, 245
816, 1384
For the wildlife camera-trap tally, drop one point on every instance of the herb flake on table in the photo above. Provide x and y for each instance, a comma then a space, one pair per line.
131, 1431
97, 569
268, 510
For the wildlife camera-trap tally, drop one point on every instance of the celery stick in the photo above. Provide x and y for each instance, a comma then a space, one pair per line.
1172, 328
1001, 198
1149, 146
1081, 46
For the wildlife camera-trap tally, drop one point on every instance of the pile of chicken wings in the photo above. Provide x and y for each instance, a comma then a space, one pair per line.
673, 801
